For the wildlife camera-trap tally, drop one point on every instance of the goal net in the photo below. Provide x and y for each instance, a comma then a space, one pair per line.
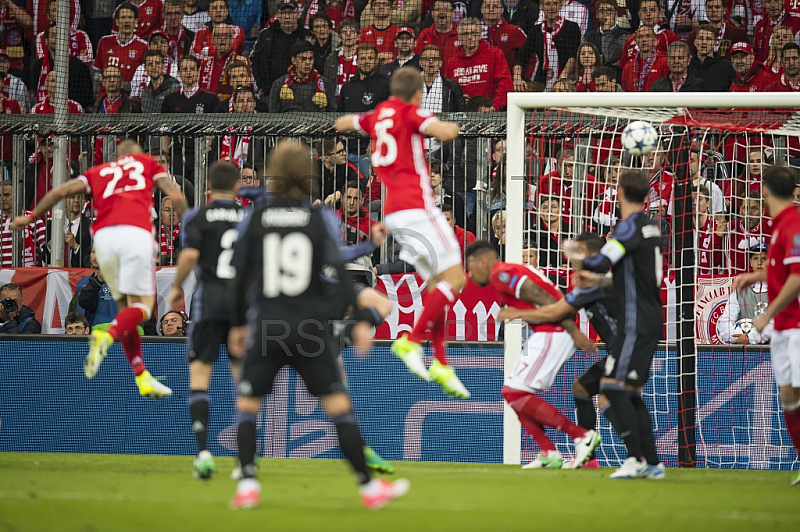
712, 398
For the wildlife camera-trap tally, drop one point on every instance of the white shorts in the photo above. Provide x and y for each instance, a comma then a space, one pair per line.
126, 256
543, 354
785, 348
427, 239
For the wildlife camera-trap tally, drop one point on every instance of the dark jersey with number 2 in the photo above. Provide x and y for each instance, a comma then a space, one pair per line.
633, 253
212, 230
282, 249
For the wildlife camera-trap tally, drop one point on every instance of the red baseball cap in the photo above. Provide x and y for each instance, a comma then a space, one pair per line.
743, 47
406, 29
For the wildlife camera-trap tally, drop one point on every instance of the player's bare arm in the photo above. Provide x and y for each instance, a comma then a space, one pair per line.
70, 188
749, 279
187, 260
168, 186
787, 294
535, 295
554, 312
345, 124
443, 131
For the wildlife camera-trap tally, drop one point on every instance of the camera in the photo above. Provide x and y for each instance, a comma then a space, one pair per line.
9, 305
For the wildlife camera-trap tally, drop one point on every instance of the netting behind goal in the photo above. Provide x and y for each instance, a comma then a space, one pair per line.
713, 402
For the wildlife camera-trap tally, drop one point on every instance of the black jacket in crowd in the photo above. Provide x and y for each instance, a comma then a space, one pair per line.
26, 319
715, 71
80, 81
362, 95
270, 56
691, 84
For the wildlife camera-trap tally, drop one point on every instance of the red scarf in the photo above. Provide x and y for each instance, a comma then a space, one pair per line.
320, 99
212, 76
236, 147
550, 50
176, 48
648, 64
168, 246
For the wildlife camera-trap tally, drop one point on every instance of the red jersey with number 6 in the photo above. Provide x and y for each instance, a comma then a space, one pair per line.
507, 279
783, 260
397, 130
123, 191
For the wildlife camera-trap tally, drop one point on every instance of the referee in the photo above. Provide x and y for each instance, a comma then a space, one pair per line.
282, 249
633, 254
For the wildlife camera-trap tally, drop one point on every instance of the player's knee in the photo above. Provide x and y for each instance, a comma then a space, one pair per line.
579, 391
336, 404
199, 374
790, 398
248, 404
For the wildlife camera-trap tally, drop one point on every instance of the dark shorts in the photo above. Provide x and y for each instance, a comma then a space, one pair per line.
312, 356
590, 380
630, 358
205, 338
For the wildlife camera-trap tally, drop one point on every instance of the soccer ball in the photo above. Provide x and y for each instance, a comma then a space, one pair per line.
639, 138
743, 326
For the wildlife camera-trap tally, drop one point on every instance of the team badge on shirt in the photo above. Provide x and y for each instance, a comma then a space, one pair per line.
504, 38
132, 54
367, 98
503, 277
199, 109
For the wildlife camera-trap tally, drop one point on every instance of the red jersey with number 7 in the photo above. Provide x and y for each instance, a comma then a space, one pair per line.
507, 279
397, 130
783, 260
123, 191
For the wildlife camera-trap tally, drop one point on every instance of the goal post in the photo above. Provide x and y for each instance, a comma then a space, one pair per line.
689, 119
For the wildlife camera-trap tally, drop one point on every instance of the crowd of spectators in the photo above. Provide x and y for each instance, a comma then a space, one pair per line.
278, 56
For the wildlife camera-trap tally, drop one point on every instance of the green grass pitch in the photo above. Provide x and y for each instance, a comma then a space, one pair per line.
82, 492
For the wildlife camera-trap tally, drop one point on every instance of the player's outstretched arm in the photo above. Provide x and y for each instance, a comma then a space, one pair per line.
442, 130
70, 188
553, 313
789, 292
749, 279
187, 260
170, 188
345, 124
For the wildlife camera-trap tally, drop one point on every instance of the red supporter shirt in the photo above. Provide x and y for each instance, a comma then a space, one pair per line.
759, 79
710, 244
397, 130
782, 84
783, 260
664, 38
552, 185
764, 28
484, 73
507, 279
382, 39
447, 43
508, 37
151, 17
123, 191
127, 56
79, 46
743, 239
635, 79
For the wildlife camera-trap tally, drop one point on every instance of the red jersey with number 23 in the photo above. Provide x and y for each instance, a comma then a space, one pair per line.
783, 260
397, 130
123, 191
507, 279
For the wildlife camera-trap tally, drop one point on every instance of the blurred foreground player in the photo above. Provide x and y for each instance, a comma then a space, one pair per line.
545, 350
282, 248
124, 247
633, 254
207, 238
783, 291
398, 128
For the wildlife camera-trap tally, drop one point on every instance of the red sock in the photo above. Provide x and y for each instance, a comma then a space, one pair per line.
536, 431
792, 418
547, 415
517, 399
438, 336
132, 345
126, 320
434, 304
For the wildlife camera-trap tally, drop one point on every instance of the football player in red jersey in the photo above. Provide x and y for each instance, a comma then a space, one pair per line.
398, 128
782, 276
124, 247
545, 350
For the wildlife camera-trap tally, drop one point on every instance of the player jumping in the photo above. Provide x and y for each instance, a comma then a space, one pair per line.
398, 128
124, 247
545, 350
207, 238
783, 291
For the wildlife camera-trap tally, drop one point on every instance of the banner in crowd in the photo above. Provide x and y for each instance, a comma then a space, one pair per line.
48, 291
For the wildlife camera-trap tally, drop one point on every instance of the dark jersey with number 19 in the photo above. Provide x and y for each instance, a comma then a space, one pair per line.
633, 253
212, 230
282, 249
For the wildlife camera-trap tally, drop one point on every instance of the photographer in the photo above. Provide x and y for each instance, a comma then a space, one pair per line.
16, 318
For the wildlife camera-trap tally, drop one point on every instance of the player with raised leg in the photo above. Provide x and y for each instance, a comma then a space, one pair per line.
398, 128
124, 247
279, 257
633, 254
208, 234
783, 291
545, 350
